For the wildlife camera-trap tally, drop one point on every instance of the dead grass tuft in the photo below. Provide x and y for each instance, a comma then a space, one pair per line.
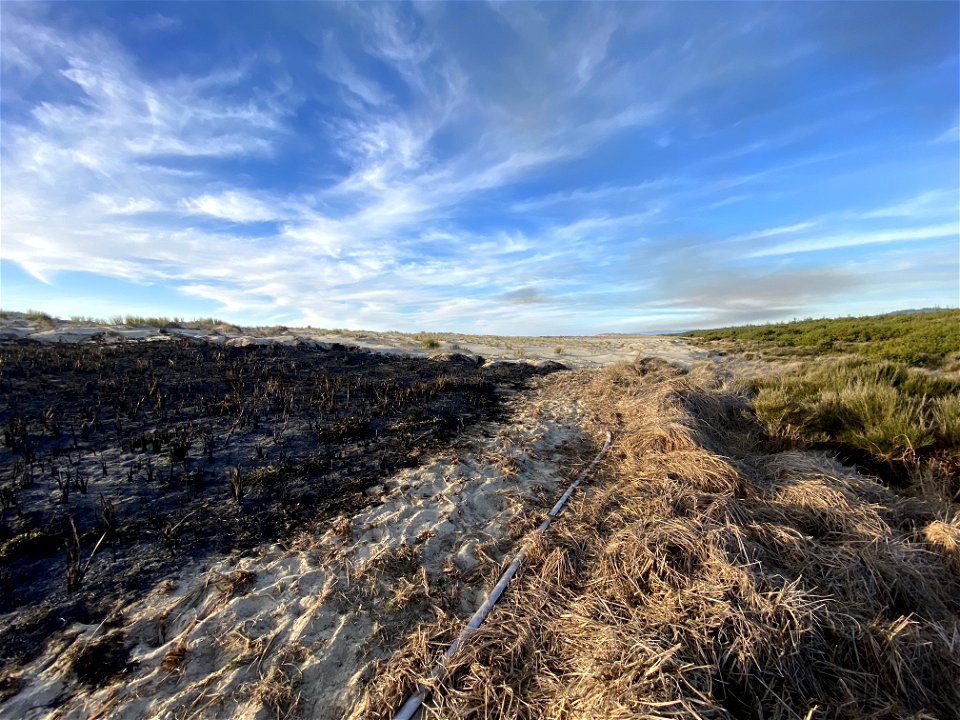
340, 525
277, 690
944, 538
10, 685
232, 584
174, 657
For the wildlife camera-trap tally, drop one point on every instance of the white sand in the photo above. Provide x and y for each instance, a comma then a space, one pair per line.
574, 352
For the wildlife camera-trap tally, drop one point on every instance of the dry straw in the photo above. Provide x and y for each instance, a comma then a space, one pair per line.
703, 577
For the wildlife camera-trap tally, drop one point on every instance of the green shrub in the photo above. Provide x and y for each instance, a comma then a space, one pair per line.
945, 412
898, 415
920, 339
430, 341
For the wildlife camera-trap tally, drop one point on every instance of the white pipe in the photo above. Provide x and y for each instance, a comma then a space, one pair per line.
413, 703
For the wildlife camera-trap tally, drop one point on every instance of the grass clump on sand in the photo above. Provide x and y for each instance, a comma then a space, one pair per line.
211, 324
927, 338
429, 341
901, 423
141, 321
40, 319
698, 576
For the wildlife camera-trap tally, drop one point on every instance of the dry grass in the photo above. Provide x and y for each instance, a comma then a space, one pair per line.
232, 584
174, 657
278, 689
702, 578
943, 537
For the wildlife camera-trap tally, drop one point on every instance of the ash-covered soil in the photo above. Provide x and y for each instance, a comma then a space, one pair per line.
121, 463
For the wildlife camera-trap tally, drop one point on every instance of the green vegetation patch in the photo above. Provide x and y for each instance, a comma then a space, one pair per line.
40, 319
906, 420
921, 339
210, 324
430, 341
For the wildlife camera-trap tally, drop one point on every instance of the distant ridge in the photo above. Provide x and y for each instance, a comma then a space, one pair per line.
914, 311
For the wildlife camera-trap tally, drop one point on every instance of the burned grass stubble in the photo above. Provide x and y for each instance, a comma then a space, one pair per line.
166, 453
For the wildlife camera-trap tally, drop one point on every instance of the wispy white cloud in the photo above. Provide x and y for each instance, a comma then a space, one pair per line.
776, 231
232, 205
119, 205
729, 200
933, 203
156, 22
854, 239
650, 188
341, 70
950, 135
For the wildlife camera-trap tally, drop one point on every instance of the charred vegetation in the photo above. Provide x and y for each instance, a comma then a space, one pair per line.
120, 464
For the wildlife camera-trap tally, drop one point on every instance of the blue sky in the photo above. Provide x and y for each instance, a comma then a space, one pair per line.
507, 168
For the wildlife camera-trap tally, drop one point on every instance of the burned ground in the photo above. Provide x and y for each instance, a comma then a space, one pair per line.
122, 463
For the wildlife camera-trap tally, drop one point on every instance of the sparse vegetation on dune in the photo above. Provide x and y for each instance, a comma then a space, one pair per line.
212, 324
899, 423
41, 319
429, 341
925, 338
702, 576
578, 349
45, 321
